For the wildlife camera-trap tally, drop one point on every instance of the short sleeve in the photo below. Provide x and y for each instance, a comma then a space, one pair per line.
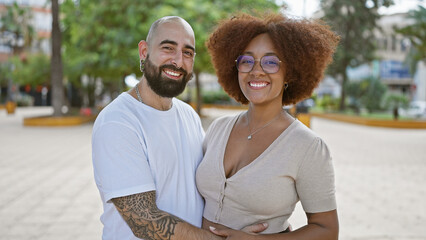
315, 179
210, 131
120, 164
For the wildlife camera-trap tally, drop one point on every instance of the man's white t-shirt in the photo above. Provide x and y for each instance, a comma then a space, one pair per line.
136, 148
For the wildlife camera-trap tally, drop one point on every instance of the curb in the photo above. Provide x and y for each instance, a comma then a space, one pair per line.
51, 121
413, 124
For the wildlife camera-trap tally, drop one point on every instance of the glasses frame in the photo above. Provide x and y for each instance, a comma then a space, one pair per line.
260, 62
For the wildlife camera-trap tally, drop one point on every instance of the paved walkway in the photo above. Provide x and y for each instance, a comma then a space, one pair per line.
47, 189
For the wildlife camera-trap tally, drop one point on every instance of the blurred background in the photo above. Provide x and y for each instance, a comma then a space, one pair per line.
89, 54
70, 58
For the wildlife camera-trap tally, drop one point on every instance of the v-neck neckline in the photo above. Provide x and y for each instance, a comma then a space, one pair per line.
266, 151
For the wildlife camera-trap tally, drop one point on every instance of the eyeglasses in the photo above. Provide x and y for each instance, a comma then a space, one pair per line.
269, 63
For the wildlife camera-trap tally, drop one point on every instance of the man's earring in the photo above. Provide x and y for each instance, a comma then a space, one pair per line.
142, 67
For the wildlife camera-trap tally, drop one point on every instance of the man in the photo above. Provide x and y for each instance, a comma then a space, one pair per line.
147, 145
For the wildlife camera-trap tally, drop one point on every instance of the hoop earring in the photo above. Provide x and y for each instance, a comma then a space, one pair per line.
285, 86
142, 67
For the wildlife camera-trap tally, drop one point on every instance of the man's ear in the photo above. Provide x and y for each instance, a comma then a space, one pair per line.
143, 49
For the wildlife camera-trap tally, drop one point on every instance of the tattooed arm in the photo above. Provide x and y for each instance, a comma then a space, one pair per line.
148, 222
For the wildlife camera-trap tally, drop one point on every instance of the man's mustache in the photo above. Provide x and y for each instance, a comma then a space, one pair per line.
174, 68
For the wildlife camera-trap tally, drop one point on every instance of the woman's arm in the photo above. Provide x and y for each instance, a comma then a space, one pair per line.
321, 226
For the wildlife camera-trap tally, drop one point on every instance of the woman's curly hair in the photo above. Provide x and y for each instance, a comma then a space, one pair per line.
305, 48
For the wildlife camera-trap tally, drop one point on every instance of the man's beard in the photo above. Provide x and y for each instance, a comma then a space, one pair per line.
163, 86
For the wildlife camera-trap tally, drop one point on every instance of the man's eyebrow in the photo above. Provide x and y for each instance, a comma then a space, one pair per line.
175, 43
190, 47
168, 42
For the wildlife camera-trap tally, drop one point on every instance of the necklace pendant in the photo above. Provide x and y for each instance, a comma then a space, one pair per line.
249, 137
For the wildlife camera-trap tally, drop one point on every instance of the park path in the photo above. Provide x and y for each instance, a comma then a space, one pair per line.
47, 189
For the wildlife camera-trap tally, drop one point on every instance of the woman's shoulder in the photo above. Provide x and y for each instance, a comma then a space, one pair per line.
220, 124
301, 134
223, 121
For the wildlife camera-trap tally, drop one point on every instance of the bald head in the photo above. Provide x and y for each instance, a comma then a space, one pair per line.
167, 19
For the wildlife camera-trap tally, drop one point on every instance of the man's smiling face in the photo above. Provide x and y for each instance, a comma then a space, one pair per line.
169, 64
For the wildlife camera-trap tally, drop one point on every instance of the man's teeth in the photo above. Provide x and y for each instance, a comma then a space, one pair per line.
258, 84
172, 73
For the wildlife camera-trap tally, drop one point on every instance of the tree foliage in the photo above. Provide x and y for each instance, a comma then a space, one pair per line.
33, 70
367, 93
5, 73
15, 28
355, 22
396, 101
101, 36
17, 33
416, 33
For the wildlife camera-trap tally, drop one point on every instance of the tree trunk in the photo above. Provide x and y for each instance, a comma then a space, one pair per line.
56, 62
342, 105
198, 91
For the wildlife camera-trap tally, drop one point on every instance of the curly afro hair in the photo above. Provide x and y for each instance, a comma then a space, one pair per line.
304, 46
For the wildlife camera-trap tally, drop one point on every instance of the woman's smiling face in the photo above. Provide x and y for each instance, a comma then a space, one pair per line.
258, 86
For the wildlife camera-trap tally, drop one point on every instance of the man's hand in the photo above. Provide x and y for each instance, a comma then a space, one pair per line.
230, 234
255, 228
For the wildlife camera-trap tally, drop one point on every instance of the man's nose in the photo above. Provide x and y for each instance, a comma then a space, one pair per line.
177, 59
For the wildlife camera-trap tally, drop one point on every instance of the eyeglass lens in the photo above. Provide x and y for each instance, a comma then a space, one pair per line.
269, 63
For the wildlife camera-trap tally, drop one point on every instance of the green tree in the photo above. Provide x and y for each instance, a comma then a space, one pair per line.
394, 102
367, 93
101, 36
15, 27
355, 22
5, 75
33, 70
373, 98
416, 33
16, 32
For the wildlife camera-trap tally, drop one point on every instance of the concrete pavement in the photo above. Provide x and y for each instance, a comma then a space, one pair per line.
47, 189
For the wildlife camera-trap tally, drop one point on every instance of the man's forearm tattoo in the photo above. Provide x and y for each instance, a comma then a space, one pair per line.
144, 218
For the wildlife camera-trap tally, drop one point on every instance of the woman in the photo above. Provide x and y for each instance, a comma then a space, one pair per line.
259, 164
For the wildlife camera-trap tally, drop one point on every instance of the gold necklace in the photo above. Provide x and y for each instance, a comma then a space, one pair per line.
249, 137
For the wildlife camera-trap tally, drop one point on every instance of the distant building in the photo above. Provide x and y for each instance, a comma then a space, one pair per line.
41, 21
392, 51
390, 67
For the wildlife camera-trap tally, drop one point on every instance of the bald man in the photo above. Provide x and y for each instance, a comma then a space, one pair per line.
147, 144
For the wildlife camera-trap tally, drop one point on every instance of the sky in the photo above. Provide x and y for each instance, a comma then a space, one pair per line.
296, 7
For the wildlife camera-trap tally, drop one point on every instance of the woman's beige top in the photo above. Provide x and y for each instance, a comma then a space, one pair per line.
296, 166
